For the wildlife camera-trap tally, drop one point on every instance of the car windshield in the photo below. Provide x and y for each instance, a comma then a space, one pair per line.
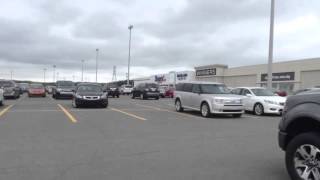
93, 88
36, 86
65, 83
262, 92
214, 89
151, 85
6, 84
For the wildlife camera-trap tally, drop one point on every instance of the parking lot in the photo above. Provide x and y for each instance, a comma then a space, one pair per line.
43, 138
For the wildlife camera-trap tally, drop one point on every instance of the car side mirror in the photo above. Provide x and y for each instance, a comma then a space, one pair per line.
249, 95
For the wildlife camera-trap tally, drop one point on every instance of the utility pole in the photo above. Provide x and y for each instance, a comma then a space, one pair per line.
97, 53
44, 74
129, 56
114, 75
54, 73
82, 62
270, 59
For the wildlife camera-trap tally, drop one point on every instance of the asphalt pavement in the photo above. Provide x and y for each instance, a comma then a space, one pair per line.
47, 139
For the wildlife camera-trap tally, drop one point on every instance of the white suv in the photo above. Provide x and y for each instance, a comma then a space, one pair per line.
208, 98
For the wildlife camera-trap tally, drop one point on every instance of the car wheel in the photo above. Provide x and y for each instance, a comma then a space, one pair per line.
236, 115
178, 106
118, 96
133, 97
258, 109
157, 98
303, 157
1, 103
205, 110
105, 105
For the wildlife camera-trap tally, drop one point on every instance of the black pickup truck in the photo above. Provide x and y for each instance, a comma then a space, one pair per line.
299, 135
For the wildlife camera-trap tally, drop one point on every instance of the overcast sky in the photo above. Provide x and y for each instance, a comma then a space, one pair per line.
167, 35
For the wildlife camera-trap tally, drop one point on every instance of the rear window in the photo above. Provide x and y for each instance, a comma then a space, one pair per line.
36, 86
65, 83
151, 85
6, 84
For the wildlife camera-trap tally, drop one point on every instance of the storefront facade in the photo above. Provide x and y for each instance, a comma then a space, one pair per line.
288, 76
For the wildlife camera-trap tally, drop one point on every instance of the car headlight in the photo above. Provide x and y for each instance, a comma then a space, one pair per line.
218, 101
59, 89
79, 96
271, 102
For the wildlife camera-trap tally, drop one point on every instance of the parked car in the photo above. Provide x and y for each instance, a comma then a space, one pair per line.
23, 87
36, 90
10, 88
146, 91
1, 97
63, 89
279, 92
113, 91
89, 94
305, 90
49, 89
260, 100
166, 90
208, 98
299, 136
126, 89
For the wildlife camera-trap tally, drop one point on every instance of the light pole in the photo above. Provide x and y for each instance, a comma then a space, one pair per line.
11, 74
97, 53
44, 74
54, 73
57, 76
82, 62
129, 56
270, 59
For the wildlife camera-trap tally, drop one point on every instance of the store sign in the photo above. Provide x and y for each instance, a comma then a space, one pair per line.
182, 76
206, 72
159, 78
284, 76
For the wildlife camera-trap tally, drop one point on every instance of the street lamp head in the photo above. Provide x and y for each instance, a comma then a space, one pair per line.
130, 26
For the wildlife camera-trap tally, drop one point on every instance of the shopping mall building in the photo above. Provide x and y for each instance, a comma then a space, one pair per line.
288, 76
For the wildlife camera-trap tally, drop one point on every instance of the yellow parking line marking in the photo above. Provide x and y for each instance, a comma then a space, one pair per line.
129, 114
5, 110
166, 110
68, 114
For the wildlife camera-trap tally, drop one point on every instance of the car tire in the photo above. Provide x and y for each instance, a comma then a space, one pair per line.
133, 97
309, 144
157, 98
1, 103
105, 105
258, 109
236, 115
118, 96
205, 110
178, 106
